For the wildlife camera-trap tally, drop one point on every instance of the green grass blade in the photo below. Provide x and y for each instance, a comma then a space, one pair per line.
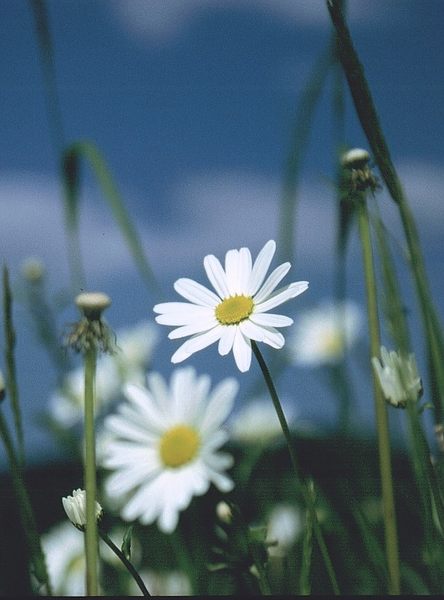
87, 151
301, 131
369, 120
11, 374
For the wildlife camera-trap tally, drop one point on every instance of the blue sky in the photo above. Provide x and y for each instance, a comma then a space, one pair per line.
191, 103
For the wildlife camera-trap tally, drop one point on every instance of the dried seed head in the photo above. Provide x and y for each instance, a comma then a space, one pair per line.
356, 158
91, 331
92, 304
358, 175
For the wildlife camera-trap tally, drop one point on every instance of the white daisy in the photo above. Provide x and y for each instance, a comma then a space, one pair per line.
237, 312
321, 335
164, 446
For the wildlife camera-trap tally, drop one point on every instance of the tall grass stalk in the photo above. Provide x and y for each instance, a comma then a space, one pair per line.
308, 498
91, 534
11, 376
391, 538
369, 120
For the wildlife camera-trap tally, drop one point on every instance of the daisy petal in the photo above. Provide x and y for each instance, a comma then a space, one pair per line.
180, 313
271, 320
196, 343
196, 293
252, 331
216, 275
232, 271
219, 405
193, 328
227, 339
260, 267
282, 295
273, 280
242, 351
245, 267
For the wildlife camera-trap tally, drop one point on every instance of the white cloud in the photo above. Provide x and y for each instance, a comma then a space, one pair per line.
162, 20
214, 211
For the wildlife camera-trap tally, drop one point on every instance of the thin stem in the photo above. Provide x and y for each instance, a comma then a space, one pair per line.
391, 538
126, 562
25, 509
91, 538
306, 492
11, 377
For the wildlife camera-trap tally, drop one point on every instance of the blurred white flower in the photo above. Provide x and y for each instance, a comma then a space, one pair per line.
163, 583
285, 524
322, 335
237, 312
64, 549
398, 377
164, 448
134, 350
258, 421
75, 508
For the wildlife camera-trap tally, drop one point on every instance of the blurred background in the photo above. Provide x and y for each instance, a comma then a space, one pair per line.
192, 104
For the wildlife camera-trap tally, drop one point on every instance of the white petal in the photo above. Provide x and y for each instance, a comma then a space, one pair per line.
196, 343
252, 331
273, 338
271, 320
181, 313
260, 267
124, 480
282, 295
121, 454
192, 329
140, 397
273, 280
127, 430
220, 404
214, 441
242, 351
220, 461
216, 275
222, 482
232, 271
196, 292
145, 499
244, 270
227, 339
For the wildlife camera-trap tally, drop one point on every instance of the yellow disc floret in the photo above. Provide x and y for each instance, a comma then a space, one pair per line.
178, 446
234, 309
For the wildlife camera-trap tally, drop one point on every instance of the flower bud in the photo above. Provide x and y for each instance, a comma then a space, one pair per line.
356, 158
33, 269
398, 377
75, 508
224, 512
92, 304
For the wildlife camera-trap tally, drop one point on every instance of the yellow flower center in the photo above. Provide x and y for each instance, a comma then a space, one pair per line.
333, 343
178, 446
234, 309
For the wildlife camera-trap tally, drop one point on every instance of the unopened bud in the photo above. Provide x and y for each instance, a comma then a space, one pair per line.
75, 508
33, 269
224, 512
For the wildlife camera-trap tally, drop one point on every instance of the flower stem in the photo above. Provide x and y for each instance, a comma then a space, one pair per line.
126, 562
91, 539
391, 538
306, 492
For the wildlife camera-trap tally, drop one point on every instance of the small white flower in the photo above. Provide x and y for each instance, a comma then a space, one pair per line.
258, 421
237, 312
165, 446
75, 508
322, 335
398, 377
284, 527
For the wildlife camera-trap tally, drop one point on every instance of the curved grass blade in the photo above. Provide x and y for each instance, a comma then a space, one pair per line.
87, 151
